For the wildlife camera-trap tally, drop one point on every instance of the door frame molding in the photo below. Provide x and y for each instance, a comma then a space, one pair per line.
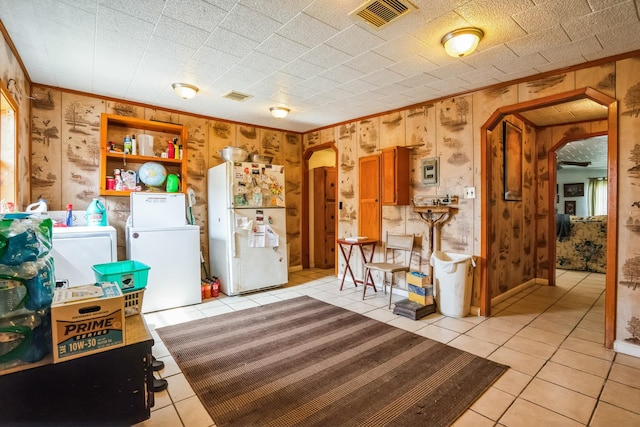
612, 220
304, 232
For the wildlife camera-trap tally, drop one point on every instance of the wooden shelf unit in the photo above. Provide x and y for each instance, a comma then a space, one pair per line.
114, 128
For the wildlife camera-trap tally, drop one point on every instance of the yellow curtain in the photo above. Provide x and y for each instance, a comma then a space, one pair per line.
597, 193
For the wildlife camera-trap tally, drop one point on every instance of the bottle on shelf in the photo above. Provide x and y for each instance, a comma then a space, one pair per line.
69, 218
134, 146
171, 154
118, 179
127, 144
176, 150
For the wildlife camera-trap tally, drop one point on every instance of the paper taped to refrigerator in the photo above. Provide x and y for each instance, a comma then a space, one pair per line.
263, 236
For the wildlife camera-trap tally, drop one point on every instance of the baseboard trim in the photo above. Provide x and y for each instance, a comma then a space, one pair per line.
295, 268
511, 292
623, 347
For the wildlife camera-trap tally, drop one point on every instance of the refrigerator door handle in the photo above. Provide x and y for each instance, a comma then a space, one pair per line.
233, 245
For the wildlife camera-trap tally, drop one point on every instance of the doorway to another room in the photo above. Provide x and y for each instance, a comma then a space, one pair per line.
320, 189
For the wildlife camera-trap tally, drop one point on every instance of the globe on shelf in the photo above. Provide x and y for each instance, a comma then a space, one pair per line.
153, 175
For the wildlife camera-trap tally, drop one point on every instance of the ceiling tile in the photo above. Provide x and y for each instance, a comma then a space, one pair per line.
368, 62
412, 66
325, 56
550, 14
249, 23
602, 20
261, 62
334, 13
196, 13
303, 69
145, 10
401, 48
230, 42
180, 32
307, 30
575, 49
113, 24
542, 40
381, 77
341, 73
281, 10
354, 40
282, 48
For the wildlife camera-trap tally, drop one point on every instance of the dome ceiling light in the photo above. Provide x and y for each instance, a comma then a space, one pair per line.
279, 112
462, 42
184, 90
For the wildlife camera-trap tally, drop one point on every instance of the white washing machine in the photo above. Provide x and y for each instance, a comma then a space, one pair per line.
77, 249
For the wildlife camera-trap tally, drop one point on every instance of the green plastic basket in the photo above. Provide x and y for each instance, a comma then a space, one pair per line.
130, 275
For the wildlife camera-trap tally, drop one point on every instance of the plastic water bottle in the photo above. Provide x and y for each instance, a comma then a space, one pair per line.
40, 206
69, 218
96, 213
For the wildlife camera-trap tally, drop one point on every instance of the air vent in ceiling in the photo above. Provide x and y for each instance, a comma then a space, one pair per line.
236, 96
379, 13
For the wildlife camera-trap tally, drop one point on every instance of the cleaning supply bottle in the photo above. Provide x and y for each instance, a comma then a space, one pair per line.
173, 183
96, 213
38, 207
69, 218
171, 153
127, 144
134, 146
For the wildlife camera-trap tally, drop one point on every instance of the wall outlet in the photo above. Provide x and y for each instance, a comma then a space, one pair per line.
470, 193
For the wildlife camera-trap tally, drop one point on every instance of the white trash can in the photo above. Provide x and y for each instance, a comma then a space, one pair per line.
453, 282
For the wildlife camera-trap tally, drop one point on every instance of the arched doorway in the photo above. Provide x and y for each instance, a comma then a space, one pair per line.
487, 219
305, 197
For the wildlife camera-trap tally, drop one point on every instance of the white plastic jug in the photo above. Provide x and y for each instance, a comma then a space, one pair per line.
96, 213
39, 206
145, 145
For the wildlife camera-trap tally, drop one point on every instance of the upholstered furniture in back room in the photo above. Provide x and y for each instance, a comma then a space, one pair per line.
584, 248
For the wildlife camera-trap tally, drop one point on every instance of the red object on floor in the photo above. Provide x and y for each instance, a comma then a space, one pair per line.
215, 288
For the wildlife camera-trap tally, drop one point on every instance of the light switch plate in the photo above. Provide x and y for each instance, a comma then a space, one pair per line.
470, 193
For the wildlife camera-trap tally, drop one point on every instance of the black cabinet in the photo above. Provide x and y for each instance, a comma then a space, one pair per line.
114, 387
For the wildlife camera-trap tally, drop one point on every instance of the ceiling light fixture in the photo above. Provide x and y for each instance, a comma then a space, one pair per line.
279, 112
462, 42
185, 90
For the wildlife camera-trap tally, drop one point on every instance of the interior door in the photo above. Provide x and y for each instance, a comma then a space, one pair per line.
369, 205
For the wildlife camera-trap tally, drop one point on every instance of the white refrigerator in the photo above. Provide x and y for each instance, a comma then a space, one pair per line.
247, 226
158, 235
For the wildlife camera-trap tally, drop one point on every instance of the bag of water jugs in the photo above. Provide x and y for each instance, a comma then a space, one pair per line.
27, 283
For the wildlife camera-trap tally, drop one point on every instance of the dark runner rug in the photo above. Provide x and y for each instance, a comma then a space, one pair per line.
304, 362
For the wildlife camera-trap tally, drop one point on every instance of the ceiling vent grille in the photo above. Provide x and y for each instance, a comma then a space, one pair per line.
236, 96
379, 13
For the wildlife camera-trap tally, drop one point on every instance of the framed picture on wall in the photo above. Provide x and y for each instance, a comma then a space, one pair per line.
570, 207
512, 146
574, 190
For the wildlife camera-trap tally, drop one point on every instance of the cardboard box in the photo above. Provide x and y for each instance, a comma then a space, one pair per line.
417, 279
421, 295
87, 320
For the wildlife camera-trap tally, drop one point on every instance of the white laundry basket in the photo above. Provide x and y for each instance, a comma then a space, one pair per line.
453, 280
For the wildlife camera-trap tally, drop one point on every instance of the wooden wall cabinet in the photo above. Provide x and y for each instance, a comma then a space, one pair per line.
324, 217
395, 176
369, 208
114, 128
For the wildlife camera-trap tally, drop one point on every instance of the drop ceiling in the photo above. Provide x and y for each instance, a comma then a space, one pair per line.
307, 55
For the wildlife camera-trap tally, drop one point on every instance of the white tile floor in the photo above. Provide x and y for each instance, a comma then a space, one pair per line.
551, 337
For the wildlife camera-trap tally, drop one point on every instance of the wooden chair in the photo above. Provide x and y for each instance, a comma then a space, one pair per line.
395, 244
